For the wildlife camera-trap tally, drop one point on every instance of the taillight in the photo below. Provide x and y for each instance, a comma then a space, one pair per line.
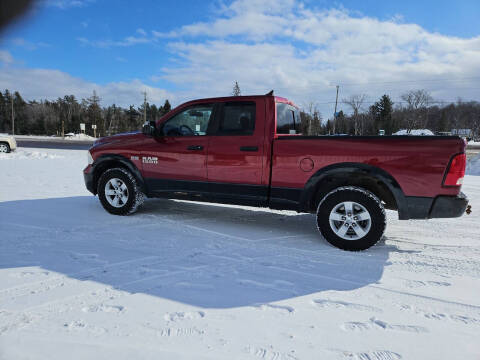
456, 171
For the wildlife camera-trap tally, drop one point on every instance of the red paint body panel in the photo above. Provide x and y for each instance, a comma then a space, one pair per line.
174, 160
418, 165
126, 145
227, 164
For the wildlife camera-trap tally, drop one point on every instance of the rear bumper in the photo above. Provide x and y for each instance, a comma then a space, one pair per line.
88, 177
439, 207
449, 206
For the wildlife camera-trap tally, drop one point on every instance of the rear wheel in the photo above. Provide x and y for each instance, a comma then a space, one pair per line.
351, 218
119, 192
4, 147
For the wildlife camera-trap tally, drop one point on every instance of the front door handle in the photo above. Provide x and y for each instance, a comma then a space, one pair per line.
248, 148
195, 147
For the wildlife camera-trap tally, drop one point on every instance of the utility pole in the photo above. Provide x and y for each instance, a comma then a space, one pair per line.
94, 108
335, 113
144, 106
13, 118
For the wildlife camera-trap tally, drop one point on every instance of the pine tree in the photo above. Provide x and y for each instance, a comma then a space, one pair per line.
382, 110
7, 110
236, 90
443, 123
328, 127
3, 119
19, 106
165, 108
133, 117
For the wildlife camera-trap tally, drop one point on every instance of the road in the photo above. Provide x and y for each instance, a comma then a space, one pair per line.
55, 144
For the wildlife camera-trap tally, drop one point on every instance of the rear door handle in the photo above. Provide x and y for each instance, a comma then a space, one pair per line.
248, 148
195, 147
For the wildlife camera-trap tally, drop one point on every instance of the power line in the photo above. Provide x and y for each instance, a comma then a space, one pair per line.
401, 102
409, 81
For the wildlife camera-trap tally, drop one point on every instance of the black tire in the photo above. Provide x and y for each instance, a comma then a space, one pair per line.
373, 229
134, 194
5, 146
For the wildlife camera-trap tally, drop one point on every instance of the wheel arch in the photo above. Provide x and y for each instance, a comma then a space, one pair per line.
369, 177
109, 161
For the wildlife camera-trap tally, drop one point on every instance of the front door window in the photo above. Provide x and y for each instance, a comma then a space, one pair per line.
193, 121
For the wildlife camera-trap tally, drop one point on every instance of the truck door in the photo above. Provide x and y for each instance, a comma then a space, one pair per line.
235, 152
176, 159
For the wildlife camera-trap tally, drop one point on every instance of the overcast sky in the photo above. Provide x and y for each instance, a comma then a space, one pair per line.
184, 50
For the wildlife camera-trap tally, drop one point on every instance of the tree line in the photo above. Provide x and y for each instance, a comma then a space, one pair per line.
417, 110
65, 115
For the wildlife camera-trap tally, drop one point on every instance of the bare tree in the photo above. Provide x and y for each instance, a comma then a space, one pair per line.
417, 104
356, 103
311, 120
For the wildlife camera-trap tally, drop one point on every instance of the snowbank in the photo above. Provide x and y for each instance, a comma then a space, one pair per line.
29, 154
415, 132
78, 137
473, 166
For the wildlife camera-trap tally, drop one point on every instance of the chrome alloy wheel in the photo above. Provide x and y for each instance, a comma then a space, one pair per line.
3, 148
116, 192
350, 220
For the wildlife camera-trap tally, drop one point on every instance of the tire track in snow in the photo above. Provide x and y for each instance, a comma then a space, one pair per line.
370, 355
269, 353
325, 303
427, 314
382, 325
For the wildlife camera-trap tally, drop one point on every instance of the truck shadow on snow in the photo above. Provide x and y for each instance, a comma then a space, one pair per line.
206, 255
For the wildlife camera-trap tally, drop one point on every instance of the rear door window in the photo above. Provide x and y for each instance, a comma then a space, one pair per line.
238, 118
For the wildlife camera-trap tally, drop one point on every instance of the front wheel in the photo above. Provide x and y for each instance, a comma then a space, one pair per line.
119, 192
351, 218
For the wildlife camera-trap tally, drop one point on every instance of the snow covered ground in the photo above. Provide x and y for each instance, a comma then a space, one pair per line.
184, 280
69, 136
415, 132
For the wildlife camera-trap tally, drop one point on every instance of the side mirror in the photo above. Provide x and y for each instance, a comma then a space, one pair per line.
149, 128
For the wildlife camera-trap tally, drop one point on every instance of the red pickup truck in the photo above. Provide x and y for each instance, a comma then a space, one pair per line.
249, 150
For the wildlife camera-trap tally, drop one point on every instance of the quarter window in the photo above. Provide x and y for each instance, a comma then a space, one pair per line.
288, 119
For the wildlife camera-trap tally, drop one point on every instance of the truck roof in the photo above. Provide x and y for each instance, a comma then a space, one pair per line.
242, 97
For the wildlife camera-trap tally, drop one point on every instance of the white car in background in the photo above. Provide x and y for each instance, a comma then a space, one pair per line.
7, 143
